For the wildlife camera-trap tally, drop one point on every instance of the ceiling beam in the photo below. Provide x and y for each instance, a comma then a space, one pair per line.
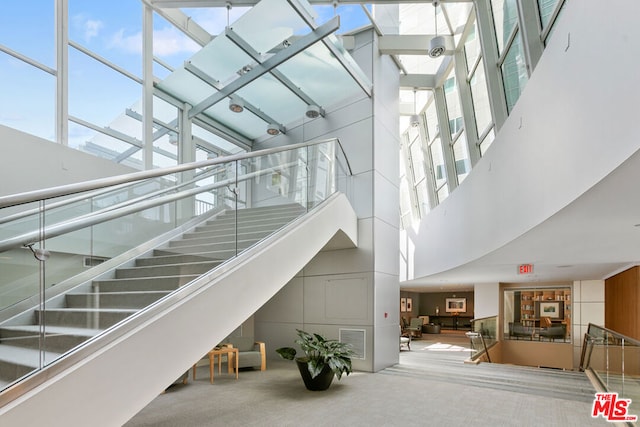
418, 81
411, 44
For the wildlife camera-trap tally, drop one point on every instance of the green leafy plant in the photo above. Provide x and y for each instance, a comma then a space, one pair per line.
320, 352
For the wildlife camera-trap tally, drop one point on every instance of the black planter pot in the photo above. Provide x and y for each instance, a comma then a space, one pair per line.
321, 382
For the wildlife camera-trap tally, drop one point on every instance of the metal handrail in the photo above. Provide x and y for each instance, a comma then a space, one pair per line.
100, 192
110, 213
65, 190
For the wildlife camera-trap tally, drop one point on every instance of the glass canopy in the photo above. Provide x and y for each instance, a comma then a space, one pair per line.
270, 36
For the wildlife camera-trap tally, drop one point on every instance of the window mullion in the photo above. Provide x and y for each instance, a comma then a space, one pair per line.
62, 71
445, 139
466, 105
529, 23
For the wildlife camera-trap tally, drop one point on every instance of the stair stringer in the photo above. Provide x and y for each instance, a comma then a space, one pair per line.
114, 382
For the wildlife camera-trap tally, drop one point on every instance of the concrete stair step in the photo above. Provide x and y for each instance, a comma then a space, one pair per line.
247, 222
83, 317
266, 210
58, 339
198, 250
231, 219
172, 259
16, 362
213, 244
166, 270
166, 283
225, 236
128, 300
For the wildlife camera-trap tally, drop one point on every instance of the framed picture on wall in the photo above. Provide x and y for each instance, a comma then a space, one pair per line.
456, 305
403, 304
409, 304
552, 309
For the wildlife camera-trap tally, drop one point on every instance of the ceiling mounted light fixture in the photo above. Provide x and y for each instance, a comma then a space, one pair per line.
436, 45
313, 111
273, 129
415, 119
236, 105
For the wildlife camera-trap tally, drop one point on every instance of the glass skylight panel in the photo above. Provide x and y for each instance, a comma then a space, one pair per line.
268, 91
245, 122
186, 87
269, 23
315, 71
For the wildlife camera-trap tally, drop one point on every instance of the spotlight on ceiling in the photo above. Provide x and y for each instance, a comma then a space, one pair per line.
414, 120
436, 45
236, 105
273, 129
313, 111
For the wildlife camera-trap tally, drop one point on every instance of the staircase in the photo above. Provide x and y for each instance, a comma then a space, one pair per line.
89, 309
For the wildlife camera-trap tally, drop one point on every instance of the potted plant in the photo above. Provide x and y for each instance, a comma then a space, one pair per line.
323, 359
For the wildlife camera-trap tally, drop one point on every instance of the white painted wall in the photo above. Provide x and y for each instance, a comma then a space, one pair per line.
486, 298
588, 307
576, 121
32, 163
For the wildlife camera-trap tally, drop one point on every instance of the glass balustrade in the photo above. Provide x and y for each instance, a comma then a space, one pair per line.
69, 269
483, 335
614, 360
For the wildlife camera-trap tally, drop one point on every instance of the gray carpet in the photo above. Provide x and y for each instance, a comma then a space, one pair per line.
429, 387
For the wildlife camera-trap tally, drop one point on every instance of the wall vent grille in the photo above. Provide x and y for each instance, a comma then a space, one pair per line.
357, 339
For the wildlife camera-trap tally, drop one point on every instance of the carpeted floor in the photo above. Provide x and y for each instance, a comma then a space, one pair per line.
429, 387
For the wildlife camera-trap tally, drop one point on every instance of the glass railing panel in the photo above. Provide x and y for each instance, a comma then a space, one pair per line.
483, 334
92, 228
615, 360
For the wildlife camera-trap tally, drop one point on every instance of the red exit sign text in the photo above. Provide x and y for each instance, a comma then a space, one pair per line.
525, 269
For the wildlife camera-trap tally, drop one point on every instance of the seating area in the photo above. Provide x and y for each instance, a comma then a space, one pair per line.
248, 353
251, 354
413, 327
547, 330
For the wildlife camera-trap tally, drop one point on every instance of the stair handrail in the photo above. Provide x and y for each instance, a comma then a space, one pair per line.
110, 213
68, 189
103, 191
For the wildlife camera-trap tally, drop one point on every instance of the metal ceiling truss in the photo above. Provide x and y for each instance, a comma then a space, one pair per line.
197, 72
319, 33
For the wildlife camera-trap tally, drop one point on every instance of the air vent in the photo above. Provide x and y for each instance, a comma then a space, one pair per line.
357, 339
92, 261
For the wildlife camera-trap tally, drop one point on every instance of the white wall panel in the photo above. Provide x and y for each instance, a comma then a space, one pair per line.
386, 192
385, 243
37, 163
346, 260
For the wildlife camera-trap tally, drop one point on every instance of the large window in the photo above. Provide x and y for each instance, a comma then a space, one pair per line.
538, 314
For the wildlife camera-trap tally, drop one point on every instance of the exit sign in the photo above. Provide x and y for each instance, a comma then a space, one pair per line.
525, 269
